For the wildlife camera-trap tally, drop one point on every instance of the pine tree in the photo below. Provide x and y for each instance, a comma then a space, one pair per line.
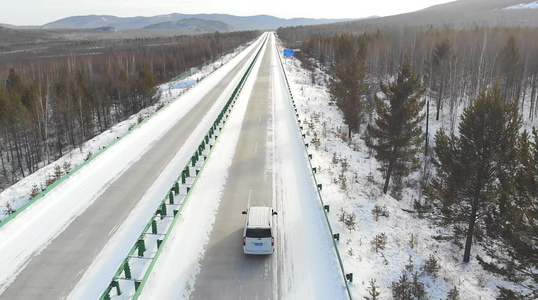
3, 134
14, 119
510, 69
431, 267
3, 105
397, 126
520, 229
348, 88
146, 86
453, 294
14, 85
379, 241
373, 291
405, 289
438, 72
401, 289
508, 294
417, 288
471, 168
83, 100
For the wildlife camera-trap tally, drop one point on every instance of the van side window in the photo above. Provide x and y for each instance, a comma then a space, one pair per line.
258, 233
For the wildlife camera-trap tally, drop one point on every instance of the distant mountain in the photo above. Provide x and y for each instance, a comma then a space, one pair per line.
3, 25
469, 13
234, 23
193, 24
178, 25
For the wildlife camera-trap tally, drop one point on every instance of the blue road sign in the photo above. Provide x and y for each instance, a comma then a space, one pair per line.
288, 53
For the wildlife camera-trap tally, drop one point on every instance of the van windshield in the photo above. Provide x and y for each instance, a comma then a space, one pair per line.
259, 233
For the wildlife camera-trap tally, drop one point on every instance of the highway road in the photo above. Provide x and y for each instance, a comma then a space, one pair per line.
227, 273
56, 270
269, 168
258, 160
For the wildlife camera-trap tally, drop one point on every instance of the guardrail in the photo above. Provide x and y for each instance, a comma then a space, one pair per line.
161, 217
346, 276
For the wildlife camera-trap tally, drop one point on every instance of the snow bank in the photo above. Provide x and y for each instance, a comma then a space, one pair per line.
532, 5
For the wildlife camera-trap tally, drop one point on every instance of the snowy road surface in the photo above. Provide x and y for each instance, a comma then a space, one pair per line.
258, 159
70, 226
226, 273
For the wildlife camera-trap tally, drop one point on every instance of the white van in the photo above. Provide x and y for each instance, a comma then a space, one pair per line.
259, 235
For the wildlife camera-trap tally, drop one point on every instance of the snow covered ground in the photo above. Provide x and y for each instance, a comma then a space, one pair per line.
351, 186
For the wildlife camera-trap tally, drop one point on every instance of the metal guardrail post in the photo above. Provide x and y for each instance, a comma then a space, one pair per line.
171, 197
153, 226
127, 270
141, 247
176, 188
163, 210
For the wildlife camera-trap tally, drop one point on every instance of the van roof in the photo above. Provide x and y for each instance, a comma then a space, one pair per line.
259, 216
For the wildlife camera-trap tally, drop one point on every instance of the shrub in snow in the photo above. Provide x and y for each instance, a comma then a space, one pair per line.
335, 159
349, 220
405, 289
508, 294
370, 177
316, 141
67, 167
49, 180
9, 209
410, 267
380, 211
344, 164
453, 294
417, 288
401, 289
343, 181
373, 291
342, 215
431, 267
58, 172
379, 241
413, 241
34, 192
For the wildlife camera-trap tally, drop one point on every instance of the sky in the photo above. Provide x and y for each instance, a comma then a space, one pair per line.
40, 12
